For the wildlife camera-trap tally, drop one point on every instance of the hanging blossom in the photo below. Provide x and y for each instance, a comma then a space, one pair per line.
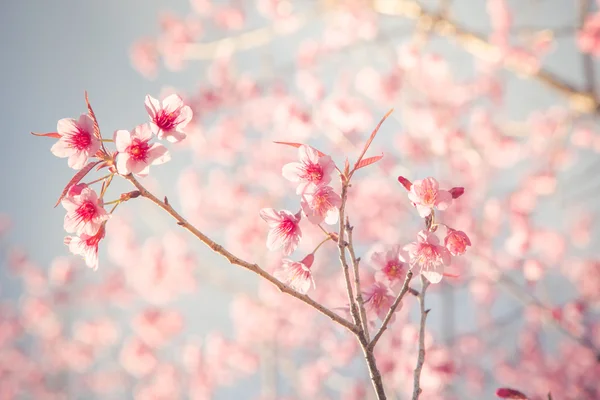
297, 275
312, 171
429, 256
390, 266
169, 118
378, 300
86, 246
320, 205
77, 141
85, 213
284, 229
456, 242
136, 154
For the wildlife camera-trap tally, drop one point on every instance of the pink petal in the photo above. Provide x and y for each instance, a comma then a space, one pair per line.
270, 216
122, 164
70, 223
443, 199
423, 211
308, 155
144, 172
142, 132
62, 149
292, 171
435, 274
152, 105
185, 116
332, 217
66, 126
122, 140
274, 240
290, 245
172, 103
77, 160
172, 136
86, 123
158, 154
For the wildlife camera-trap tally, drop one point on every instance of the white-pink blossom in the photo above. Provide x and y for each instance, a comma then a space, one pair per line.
425, 195
169, 118
136, 154
429, 256
77, 141
296, 275
313, 169
284, 229
378, 300
391, 266
321, 204
86, 246
85, 213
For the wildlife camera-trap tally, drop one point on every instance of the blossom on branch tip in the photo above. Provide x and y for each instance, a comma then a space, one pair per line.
456, 242
321, 204
312, 171
425, 195
429, 256
85, 213
169, 118
86, 246
391, 265
77, 141
378, 300
296, 275
284, 229
136, 154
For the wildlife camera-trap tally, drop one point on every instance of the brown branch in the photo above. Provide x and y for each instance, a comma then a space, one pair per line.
392, 310
582, 101
359, 299
421, 358
217, 248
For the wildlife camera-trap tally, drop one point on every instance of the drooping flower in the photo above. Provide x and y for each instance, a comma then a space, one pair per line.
321, 204
425, 195
296, 275
86, 246
391, 265
136, 154
313, 170
378, 300
456, 242
77, 141
284, 229
85, 213
429, 256
169, 118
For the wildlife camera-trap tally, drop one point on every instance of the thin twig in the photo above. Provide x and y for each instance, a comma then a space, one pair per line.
421, 358
588, 63
359, 299
238, 261
392, 310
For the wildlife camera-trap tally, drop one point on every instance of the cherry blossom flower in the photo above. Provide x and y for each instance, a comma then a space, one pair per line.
86, 246
378, 300
456, 242
391, 265
588, 39
85, 214
284, 229
136, 155
77, 141
312, 170
429, 255
169, 118
425, 195
296, 275
321, 204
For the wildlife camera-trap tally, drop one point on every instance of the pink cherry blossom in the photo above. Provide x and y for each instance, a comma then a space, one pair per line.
378, 300
296, 275
77, 141
425, 195
312, 170
136, 155
284, 229
169, 118
456, 242
85, 214
86, 246
391, 265
588, 39
321, 204
429, 255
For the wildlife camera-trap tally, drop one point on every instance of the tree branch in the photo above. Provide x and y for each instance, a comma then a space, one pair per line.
421, 358
359, 299
217, 248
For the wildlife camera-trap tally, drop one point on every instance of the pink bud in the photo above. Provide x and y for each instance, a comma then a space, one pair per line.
457, 192
506, 393
308, 260
405, 182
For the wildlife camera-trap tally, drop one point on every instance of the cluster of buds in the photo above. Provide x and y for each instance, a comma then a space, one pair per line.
81, 142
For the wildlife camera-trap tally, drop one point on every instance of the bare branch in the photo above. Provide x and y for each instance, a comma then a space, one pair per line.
359, 299
421, 358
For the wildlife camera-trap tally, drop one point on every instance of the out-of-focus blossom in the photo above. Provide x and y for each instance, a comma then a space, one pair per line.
456, 242
378, 300
588, 38
391, 266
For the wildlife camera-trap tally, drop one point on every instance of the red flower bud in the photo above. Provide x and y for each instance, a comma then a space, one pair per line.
507, 393
405, 182
457, 192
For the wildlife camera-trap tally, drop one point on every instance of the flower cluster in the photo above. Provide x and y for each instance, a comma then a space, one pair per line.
81, 142
318, 203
